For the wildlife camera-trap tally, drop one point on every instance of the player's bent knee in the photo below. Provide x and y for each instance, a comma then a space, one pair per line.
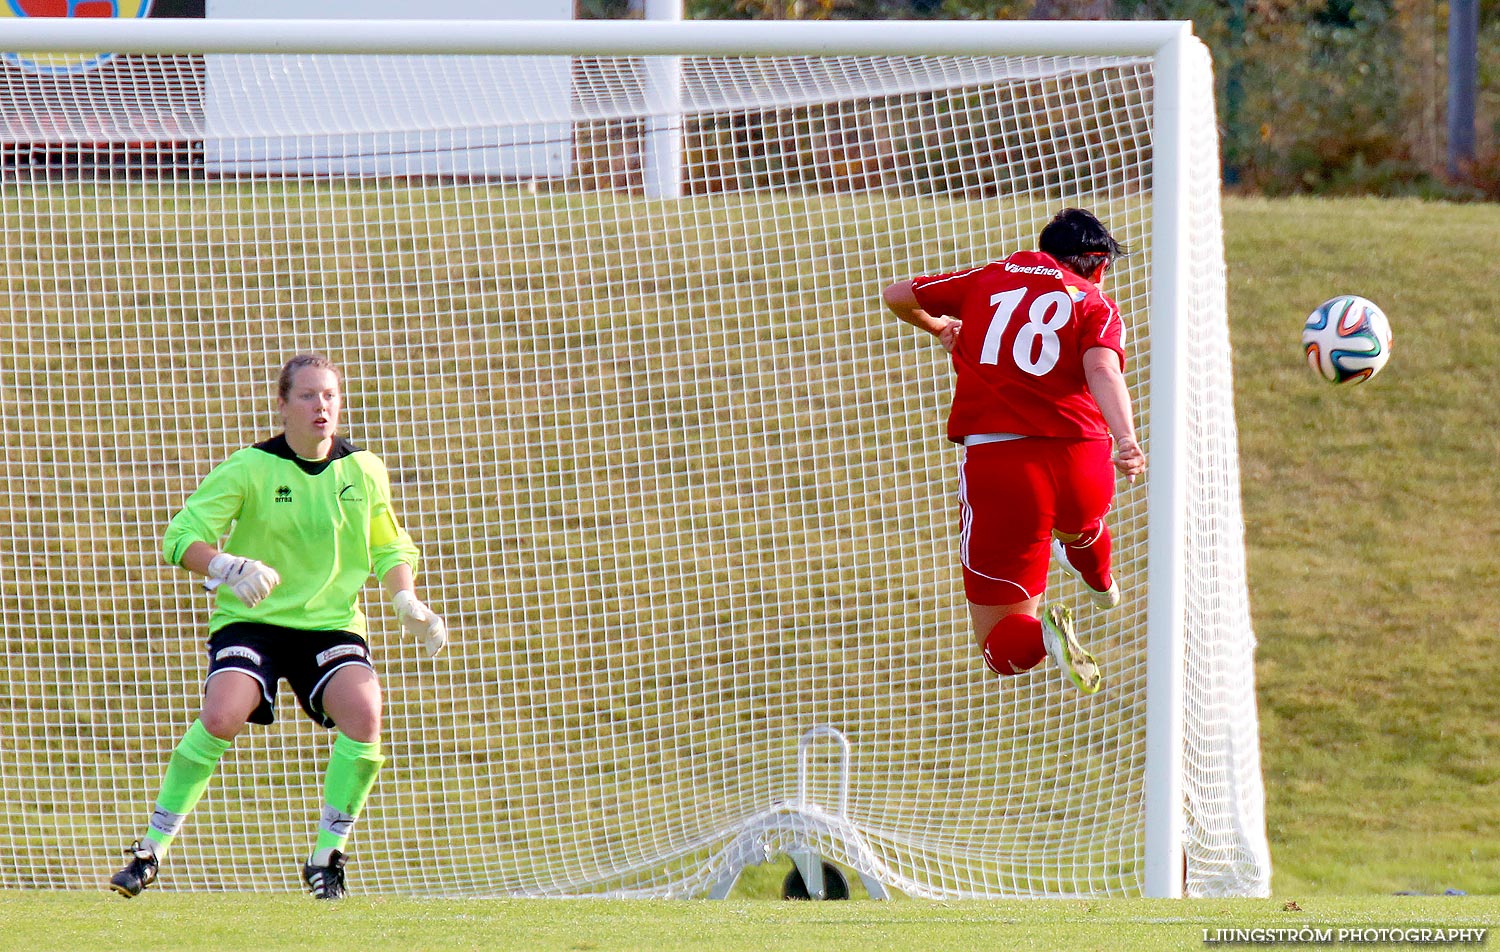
229, 698
1014, 645
221, 724
357, 718
352, 702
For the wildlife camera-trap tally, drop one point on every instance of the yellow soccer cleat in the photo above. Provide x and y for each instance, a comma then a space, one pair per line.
1077, 665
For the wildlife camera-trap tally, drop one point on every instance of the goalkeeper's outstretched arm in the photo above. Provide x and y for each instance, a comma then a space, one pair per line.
415, 617
247, 578
198, 557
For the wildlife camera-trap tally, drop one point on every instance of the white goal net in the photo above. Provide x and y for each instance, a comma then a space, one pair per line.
680, 482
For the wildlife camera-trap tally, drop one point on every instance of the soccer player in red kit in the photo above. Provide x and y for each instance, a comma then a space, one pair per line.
1041, 409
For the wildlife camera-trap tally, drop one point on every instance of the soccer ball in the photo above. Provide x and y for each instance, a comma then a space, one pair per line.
1347, 339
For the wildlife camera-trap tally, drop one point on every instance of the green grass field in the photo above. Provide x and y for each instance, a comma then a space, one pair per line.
1372, 542
1372, 539
229, 923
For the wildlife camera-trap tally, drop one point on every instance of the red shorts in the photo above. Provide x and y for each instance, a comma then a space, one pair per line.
1011, 495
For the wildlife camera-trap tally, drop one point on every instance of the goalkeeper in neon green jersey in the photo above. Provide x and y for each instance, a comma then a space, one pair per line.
309, 518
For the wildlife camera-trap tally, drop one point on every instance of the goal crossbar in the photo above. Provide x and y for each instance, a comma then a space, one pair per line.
593, 38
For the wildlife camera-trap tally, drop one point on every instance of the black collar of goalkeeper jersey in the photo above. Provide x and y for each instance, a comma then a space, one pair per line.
278, 446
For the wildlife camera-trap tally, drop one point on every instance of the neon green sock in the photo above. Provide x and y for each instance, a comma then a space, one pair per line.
188, 773
351, 773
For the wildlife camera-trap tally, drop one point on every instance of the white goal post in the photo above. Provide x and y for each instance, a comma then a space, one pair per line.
679, 481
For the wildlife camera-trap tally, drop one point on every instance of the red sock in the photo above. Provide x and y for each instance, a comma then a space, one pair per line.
1090, 556
1014, 645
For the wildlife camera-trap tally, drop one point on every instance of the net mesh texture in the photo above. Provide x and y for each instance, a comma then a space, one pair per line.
679, 479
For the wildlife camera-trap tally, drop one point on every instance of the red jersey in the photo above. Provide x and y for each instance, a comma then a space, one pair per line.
1019, 359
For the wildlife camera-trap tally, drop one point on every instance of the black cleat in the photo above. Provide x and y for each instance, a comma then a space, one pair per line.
139, 873
326, 882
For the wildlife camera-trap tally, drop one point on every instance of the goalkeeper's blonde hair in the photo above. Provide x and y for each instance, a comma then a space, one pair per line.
299, 362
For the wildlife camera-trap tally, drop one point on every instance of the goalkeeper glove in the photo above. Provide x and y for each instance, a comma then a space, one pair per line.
247, 578
421, 621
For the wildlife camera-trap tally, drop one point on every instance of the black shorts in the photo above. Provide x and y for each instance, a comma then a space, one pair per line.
268, 653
